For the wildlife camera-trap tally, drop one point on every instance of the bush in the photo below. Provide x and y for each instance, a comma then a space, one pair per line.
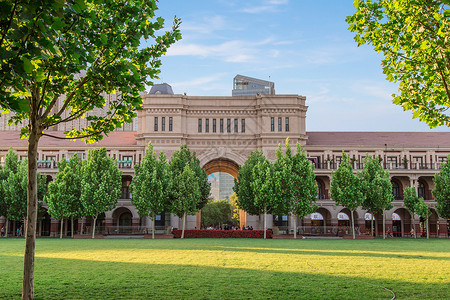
246, 234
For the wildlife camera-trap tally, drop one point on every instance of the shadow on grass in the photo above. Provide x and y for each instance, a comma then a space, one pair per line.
57, 278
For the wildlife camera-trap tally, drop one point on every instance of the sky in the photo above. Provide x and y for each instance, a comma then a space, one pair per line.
304, 46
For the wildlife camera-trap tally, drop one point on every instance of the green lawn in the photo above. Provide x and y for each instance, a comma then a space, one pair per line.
230, 269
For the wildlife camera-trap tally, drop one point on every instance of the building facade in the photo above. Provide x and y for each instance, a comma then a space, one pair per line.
223, 131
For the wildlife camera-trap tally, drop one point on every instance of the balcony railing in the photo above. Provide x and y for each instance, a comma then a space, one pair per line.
125, 164
331, 165
46, 164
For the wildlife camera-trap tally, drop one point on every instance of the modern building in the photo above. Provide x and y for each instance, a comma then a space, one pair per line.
223, 131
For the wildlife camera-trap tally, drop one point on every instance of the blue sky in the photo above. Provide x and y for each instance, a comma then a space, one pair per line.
301, 45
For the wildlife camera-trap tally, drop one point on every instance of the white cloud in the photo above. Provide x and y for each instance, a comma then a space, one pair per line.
211, 82
269, 6
206, 25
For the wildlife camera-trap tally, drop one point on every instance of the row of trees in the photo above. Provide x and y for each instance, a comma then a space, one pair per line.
287, 186
13, 188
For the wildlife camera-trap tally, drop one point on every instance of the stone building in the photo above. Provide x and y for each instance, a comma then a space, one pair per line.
223, 131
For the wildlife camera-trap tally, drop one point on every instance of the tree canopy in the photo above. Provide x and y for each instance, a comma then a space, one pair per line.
411, 201
442, 190
414, 37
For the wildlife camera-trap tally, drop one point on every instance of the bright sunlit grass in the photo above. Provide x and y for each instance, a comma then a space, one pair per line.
230, 268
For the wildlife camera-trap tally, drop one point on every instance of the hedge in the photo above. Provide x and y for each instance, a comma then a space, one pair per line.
245, 234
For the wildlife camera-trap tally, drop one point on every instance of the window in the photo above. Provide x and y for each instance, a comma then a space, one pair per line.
221, 125
156, 123
391, 161
199, 125
243, 125
207, 125
272, 124
287, 124
170, 124
228, 125
442, 159
235, 125
395, 190
338, 159
163, 124
214, 125
279, 124
421, 191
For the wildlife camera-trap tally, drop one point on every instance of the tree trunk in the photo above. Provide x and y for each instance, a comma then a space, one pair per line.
184, 223
71, 226
384, 226
30, 238
414, 225
353, 224
371, 224
153, 225
7, 227
61, 230
82, 225
428, 228
93, 226
265, 224
295, 226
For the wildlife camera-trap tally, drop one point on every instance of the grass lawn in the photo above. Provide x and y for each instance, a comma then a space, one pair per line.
230, 269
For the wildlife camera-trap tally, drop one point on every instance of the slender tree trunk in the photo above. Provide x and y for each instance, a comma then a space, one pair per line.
376, 227
384, 226
428, 229
93, 227
371, 224
30, 238
295, 226
153, 225
353, 224
71, 226
7, 227
265, 223
82, 225
62, 226
184, 223
414, 225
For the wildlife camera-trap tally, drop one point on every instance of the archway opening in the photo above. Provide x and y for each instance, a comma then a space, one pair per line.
396, 225
122, 220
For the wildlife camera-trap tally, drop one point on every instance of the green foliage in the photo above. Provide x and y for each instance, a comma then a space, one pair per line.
414, 37
150, 184
15, 188
217, 213
79, 49
410, 199
423, 209
185, 192
101, 183
235, 208
242, 186
442, 190
64, 194
264, 186
182, 158
376, 186
345, 186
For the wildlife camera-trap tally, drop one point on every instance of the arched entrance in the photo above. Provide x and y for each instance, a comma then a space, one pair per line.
396, 225
122, 220
321, 222
223, 165
401, 222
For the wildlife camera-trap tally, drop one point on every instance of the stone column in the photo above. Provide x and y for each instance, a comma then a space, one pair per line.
54, 227
362, 225
108, 225
135, 225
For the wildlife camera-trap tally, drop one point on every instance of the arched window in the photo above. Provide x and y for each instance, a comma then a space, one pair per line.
320, 194
421, 190
396, 190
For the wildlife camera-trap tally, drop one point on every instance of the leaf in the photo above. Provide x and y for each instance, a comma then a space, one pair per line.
27, 66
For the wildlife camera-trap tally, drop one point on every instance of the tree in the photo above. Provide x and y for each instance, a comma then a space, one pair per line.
217, 213
376, 188
235, 208
346, 188
15, 188
186, 194
184, 157
11, 165
242, 186
442, 190
414, 37
101, 184
297, 189
411, 200
264, 189
150, 185
64, 194
58, 58
424, 211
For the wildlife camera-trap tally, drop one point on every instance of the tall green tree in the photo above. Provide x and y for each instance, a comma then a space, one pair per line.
424, 211
64, 194
186, 194
80, 49
346, 188
235, 208
442, 190
11, 165
150, 185
297, 187
411, 200
242, 186
264, 189
414, 37
101, 184
177, 163
376, 188
217, 213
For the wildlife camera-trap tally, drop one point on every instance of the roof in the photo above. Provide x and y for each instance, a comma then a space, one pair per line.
254, 80
389, 139
162, 88
116, 138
